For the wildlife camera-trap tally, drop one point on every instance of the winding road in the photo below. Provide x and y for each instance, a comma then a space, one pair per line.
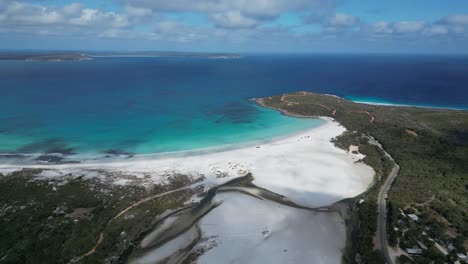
101, 235
382, 238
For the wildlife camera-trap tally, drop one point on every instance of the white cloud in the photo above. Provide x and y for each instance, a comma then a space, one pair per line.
234, 14
395, 28
456, 20
230, 22
259, 10
138, 11
342, 20
404, 27
19, 13
340, 23
233, 19
247, 6
436, 30
167, 26
94, 17
380, 27
68, 20
457, 23
72, 9
179, 32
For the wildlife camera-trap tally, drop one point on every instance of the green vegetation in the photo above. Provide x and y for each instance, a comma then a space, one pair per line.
53, 222
431, 147
57, 220
364, 221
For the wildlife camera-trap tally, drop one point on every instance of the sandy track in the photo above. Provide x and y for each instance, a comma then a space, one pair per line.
283, 99
101, 235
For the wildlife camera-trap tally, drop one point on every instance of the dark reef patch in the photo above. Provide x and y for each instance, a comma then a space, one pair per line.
52, 145
50, 158
118, 152
12, 156
55, 159
235, 112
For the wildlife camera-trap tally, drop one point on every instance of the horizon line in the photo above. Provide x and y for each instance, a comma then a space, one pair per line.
3, 50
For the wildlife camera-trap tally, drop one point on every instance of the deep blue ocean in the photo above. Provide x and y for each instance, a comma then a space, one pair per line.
150, 105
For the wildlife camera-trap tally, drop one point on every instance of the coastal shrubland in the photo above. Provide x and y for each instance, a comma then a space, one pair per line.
54, 221
430, 145
362, 225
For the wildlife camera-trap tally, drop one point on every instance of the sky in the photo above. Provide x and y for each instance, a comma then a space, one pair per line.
248, 26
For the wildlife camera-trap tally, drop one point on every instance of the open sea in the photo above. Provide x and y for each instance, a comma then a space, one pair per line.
155, 105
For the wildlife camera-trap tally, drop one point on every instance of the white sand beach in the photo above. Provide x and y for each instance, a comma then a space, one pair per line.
306, 168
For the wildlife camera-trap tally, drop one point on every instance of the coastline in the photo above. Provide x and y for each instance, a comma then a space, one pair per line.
283, 166
260, 102
30, 159
367, 102
215, 131
305, 168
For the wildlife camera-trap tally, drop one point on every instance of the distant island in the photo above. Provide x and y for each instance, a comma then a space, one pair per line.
170, 54
45, 56
85, 56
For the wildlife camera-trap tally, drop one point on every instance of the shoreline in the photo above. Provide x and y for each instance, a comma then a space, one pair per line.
406, 105
252, 137
305, 167
25, 159
259, 101
130, 156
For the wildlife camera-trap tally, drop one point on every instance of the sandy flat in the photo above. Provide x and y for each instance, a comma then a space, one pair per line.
248, 230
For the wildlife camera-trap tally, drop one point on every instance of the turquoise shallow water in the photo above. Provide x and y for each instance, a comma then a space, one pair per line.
154, 105
156, 134
202, 133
